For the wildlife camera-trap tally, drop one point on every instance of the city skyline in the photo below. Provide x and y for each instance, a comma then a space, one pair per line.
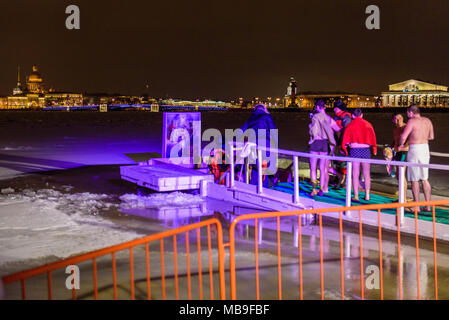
224, 51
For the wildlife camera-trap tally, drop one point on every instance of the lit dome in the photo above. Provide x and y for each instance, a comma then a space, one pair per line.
35, 76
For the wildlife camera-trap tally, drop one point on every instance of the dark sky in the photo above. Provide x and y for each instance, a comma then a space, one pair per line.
224, 49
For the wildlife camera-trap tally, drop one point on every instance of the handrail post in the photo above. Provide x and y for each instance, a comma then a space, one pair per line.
259, 171
402, 196
231, 165
295, 180
348, 186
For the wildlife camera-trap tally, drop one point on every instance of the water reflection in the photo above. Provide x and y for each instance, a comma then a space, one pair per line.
394, 269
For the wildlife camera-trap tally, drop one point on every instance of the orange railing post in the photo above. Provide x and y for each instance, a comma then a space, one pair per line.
211, 276
256, 255
300, 258
342, 269
279, 258
147, 262
417, 253
399, 253
175, 258
380, 257
435, 252
362, 283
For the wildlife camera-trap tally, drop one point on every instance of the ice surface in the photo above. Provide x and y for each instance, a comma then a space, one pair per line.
160, 200
35, 224
46, 222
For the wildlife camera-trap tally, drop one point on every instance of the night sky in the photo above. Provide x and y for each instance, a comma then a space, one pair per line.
224, 49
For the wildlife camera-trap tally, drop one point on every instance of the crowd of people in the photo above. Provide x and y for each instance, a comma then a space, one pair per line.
348, 134
345, 135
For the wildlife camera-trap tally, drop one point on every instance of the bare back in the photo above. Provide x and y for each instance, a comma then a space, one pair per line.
419, 130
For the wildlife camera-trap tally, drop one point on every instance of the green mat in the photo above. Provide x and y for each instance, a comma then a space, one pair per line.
338, 196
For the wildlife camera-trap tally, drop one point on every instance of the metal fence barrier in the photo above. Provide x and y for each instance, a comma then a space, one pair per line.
112, 251
362, 210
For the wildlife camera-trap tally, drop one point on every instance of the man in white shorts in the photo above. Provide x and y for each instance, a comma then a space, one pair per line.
418, 132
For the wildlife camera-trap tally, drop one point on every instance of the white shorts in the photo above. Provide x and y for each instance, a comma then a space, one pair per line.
418, 153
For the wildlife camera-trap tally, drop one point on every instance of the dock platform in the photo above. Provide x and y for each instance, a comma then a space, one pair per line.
159, 175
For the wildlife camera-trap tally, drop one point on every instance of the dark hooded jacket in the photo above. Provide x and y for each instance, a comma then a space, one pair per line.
259, 119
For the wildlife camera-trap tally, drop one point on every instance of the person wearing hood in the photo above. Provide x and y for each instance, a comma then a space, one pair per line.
260, 119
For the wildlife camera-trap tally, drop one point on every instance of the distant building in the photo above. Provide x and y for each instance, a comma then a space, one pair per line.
34, 94
53, 99
35, 83
307, 100
423, 94
290, 99
3, 102
204, 103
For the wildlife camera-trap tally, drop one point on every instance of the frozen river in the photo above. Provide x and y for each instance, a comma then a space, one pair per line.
51, 215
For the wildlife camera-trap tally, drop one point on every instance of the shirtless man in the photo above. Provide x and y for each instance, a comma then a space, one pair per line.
418, 132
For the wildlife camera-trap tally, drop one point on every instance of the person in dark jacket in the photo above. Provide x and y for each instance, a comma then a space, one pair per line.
342, 118
260, 119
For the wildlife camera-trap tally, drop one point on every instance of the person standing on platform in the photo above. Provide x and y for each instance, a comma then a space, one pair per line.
400, 154
359, 135
261, 119
322, 140
342, 118
418, 132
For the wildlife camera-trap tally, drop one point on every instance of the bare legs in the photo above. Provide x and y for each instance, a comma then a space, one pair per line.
426, 189
313, 178
367, 177
356, 177
324, 173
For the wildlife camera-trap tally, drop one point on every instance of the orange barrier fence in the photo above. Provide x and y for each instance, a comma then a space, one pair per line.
248, 219
93, 256
362, 210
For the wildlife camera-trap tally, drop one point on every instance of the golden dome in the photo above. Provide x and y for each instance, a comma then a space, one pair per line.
35, 76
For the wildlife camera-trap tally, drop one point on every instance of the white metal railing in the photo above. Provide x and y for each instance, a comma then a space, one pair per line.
296, 155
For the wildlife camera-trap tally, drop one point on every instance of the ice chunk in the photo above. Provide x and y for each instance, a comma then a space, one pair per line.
158, 200
7, 190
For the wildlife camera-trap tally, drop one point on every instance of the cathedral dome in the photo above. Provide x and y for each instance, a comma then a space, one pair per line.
35, 76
